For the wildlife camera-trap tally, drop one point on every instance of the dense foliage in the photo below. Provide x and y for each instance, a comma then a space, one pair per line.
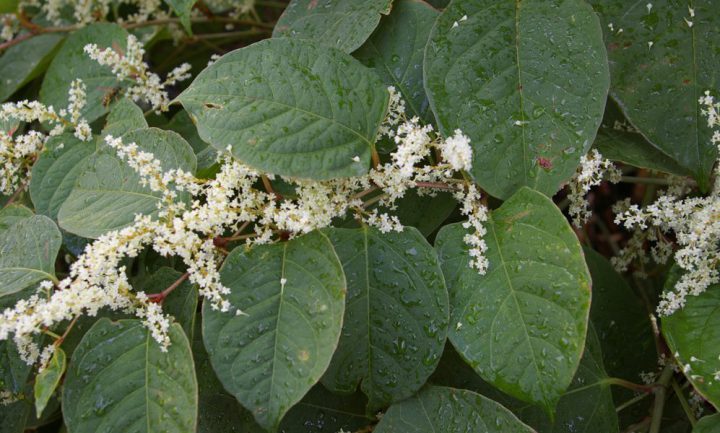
355, 216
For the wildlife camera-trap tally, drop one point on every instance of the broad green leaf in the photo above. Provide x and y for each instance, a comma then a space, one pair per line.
294, 295
708, 424
396, 316
48, 380
71, 63
587, 405
425, 213
219, 412
14, 376
660, 66
290, 107
25, 61
183, 125
119, 380
621, 321
693, 335
55, 172
439, 4
618, 140
28, 250
321, 410
124, 117
396, 51
342, 24
527, 82
108, 194
181, 303
448, 410
183, 9
522, 325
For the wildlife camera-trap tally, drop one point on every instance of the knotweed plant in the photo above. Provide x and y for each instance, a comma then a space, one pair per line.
359, 216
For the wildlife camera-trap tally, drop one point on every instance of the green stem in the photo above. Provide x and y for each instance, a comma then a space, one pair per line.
646, 180
631, 402
660, 394
683, 402
627, 384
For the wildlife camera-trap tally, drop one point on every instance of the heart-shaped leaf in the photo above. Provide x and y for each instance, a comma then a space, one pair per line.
522, 325
293, 295
293, 108
507, 74
396, 315
23, 62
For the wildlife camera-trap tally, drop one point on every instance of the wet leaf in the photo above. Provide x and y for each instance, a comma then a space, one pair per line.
108, 194
657, 86
522, 325
441, 409
341, 24
294, 295
509, 74
119, 380
396, 316
14, 376
290, 107
124, 117
396, 51
708, 424
48, 380
71, 63
693, 335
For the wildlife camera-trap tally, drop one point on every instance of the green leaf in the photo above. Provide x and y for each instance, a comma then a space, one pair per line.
396, 316
48, 380
183, 125
290, 107
183, 9
124, 117
658, 86
23, 62
108, 194
708, 424
28, 250
587, 405
527, 82
12, 215
14, 375
321, 410
448, 410
522, 325
55, 172
425, 213
71, 63
693, 335
341, 24
219, 412
619, 141
119, 380
293, 294
396, 51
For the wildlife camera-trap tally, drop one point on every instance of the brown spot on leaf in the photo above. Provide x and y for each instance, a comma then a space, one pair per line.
212, 105
312, 5
544, 163
304, 355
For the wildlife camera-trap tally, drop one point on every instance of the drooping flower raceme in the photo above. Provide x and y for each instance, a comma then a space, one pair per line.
18, 151
130, 66
695, 222
229, 204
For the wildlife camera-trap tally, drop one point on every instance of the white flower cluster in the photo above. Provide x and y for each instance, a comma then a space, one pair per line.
129, 66
695, 222
19, 151
196, 229
591, 171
